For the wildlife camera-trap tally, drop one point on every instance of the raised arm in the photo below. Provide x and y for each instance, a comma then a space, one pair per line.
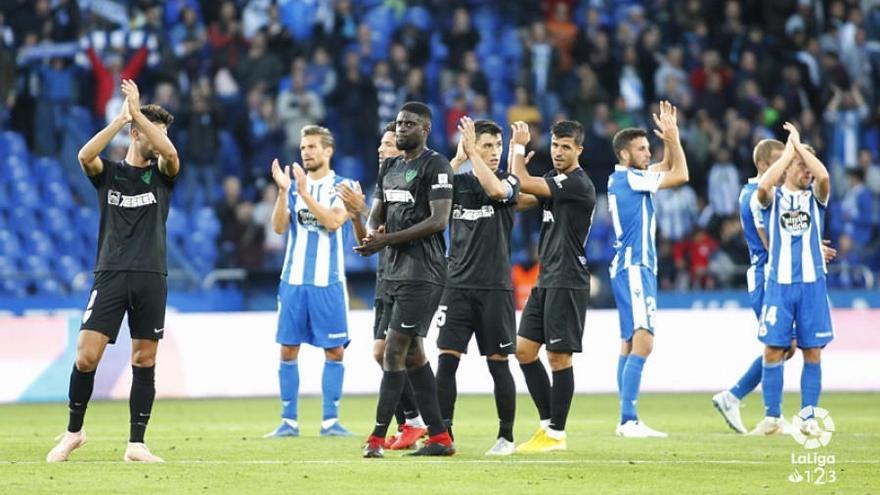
822, 184
355, 205
89, 155
528, 184
774, 174
673, 152
169, 162
331, 218
494, 187
459, 158
280, 214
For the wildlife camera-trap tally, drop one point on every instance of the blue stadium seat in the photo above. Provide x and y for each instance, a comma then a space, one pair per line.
419, 17
13, 143
48, 167
47, 285
350, 167
382, 21
22, 218
13, 287
177, 225
36, 264
298, 16
205, 220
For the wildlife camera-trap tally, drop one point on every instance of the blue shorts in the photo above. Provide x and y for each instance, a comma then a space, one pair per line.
755, 278
635, 291
312, 315
802, 308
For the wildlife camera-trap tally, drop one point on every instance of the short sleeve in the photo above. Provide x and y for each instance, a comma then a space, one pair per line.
98, 180
511, 183
567, 187
439, 176
379, 194
757, 211
644, 181
770, 203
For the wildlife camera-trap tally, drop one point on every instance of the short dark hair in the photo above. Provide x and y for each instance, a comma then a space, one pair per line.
157, 115
390, 127
625, 136
569, 128
418, 108
483, 126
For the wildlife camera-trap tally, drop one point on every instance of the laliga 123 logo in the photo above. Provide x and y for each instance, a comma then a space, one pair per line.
813, 427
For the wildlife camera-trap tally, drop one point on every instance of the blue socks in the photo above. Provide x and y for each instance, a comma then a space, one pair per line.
811, 384
331, 387
629, 392
750, 380
288, 377
771, 380
621, 362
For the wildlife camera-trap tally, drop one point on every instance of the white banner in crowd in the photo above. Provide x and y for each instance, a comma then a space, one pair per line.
234, 354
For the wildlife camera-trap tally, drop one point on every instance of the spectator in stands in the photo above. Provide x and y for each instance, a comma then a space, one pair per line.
522, 108
56, 97
416, 43
859, 215
460, 38
108, 77
414, 89
248, 237
337, 28
225, 37
265, 134
386, 94
259, 66
321, 75
871, 170
226, 211
297, 107
724, 185
845, 112
355, 102
202, 146
562, 34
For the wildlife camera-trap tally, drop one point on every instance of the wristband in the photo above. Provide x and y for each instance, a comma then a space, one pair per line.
519, 149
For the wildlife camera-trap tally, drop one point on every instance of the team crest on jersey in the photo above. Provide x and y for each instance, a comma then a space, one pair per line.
147, 176
308, 220
795, 222
410, 175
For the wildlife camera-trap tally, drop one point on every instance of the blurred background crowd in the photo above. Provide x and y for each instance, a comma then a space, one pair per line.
243, 76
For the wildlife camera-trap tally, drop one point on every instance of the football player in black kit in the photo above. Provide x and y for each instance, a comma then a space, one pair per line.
555, 311
131, 271
478, 298
413, 200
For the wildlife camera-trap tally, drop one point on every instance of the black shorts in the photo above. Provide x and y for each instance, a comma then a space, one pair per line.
142, 294
489, 314
412, 306
381, 316
555, 317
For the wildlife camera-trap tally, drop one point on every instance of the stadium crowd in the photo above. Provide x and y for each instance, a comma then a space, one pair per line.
243, 77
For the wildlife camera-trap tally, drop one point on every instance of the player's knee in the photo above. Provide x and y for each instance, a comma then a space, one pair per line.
813, 355
334, 354
143, 361
87, 361
526, 356
773, 354
289, 352
559, 360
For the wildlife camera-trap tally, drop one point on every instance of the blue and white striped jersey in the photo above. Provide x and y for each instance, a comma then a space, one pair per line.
794, 233
314, 256
753, 217
631, 203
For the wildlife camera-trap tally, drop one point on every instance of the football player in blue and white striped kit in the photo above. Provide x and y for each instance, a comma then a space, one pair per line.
312, 297
631, 189
795, 296
753, 219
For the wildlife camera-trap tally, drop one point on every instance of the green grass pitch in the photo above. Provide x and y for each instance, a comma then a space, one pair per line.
215, 446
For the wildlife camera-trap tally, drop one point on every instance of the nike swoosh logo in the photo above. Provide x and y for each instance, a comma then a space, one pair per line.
553, 341
506, 345
404, 325
158, 330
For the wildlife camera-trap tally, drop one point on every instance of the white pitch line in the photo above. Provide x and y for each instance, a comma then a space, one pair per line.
573, 462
